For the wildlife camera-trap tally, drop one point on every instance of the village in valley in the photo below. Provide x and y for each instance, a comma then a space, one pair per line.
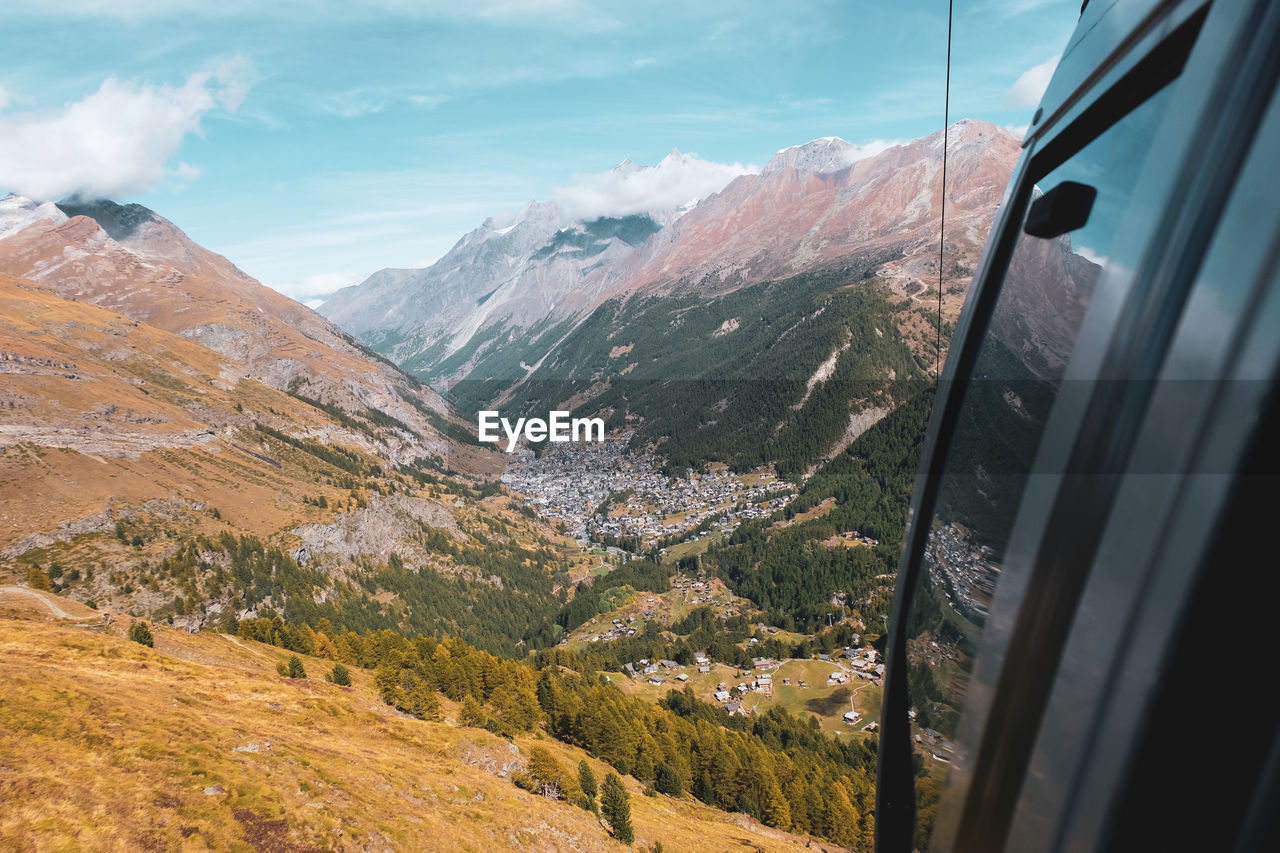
842, 690
605, 492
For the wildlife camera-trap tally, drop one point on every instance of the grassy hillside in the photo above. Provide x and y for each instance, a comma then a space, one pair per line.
199, 744
143, 472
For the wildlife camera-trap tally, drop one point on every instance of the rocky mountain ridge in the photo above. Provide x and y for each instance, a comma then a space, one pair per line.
131, 261
814, 206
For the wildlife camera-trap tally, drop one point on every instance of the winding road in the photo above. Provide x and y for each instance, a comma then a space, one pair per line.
6, 591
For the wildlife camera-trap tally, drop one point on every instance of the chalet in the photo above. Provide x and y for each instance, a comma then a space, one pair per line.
704, 668
852, 717
656, 679
682, 677
735, 709
701, 659
764, 679
722, 695
651, 669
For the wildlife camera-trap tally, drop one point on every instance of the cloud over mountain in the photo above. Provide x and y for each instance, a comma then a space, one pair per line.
628, 188
1029, 88
117, 140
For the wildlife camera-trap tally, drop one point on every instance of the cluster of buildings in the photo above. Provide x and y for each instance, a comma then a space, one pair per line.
731, 698
865, 664
855, 536
618, 629
965, 572
570, 481
655, 672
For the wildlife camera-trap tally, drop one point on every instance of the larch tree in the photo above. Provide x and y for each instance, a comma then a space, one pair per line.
615, 804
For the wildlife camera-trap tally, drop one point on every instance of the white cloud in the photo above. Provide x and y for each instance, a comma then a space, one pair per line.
1028, 89
313, 290
628, 188
578, 14
351, 104
115, 141
863, 150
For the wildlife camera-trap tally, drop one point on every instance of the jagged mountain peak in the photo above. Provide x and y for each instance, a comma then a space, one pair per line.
828, 154
539, 210
815, 206
120, 221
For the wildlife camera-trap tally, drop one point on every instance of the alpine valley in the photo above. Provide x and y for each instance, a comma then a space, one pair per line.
757, 325
671, 640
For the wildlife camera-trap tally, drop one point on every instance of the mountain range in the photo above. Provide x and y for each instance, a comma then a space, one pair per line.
813, 207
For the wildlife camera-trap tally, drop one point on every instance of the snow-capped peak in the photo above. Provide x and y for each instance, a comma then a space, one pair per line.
673, 158
17, 212
828, 154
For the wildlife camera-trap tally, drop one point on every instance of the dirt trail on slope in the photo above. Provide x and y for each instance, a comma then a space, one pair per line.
6, 591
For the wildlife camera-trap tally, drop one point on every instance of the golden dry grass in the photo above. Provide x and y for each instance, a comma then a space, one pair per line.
107, 745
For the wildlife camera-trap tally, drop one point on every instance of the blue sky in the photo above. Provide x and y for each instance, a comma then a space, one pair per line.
316, 142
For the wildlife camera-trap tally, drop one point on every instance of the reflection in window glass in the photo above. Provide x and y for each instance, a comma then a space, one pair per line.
1042, 303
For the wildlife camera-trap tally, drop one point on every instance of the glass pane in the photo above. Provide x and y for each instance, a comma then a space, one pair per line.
1046, 291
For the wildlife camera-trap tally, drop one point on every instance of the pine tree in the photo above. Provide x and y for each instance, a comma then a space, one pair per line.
472, 714
842, 817
294, 669
544, 767
140, 632
339, 675
422, 701
587, 779
668, 781
615, 803
777, 811
37, 579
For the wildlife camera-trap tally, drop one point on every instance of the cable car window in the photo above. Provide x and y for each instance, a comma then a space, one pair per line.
1067, 239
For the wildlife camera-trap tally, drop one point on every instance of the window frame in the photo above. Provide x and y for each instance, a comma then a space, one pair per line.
1151, 305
